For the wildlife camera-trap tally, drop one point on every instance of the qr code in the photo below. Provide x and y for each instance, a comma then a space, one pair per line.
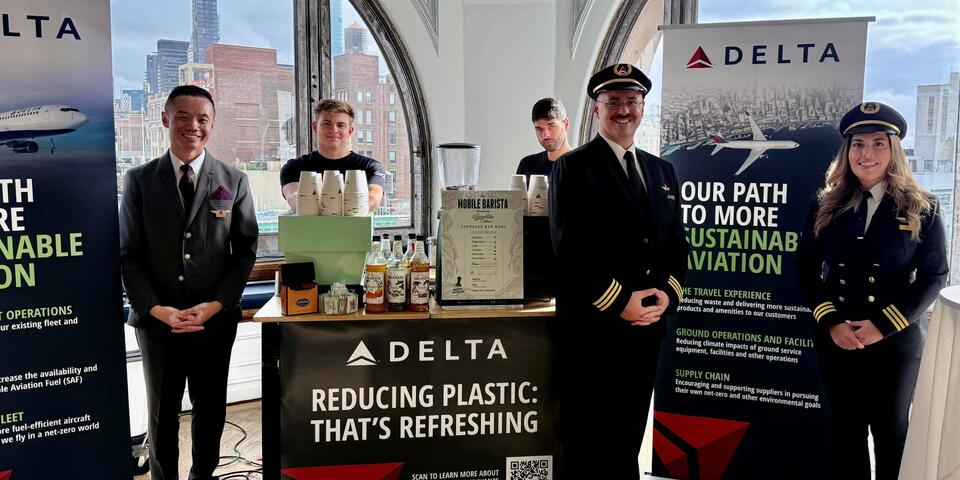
530, 468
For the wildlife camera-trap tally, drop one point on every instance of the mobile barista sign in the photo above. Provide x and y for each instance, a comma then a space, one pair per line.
62, 389
417, 399
749, 121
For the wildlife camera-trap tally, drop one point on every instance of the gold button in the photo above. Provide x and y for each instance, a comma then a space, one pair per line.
843, 282
871, 279
870, 299
180, 278
841, 299
186, 256
187, 235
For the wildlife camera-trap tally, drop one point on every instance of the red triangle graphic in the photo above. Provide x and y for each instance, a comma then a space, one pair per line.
699, 60
6, 474
674, 460
715, 439
372, 471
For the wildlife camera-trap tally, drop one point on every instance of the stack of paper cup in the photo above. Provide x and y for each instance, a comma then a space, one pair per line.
308, 200
331, 193
538, 205
356, 200
519, 182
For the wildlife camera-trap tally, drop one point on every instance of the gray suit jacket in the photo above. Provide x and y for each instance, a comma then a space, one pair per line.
175, 258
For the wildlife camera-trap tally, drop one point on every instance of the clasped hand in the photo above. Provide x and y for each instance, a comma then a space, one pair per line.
189, 320
855, 334
638, 315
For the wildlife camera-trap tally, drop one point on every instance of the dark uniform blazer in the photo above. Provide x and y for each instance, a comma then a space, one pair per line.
175, 258
886, 277
609, 241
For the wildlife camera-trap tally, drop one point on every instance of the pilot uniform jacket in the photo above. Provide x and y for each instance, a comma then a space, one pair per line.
610, 241
175, 258
886, 277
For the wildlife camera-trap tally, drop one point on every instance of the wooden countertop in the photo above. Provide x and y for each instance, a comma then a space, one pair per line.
270, 312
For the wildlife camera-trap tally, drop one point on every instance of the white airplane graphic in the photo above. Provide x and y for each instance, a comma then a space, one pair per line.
757, 146
19, 127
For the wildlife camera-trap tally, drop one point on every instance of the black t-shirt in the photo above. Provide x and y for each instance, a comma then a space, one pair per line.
314, 162
536, 164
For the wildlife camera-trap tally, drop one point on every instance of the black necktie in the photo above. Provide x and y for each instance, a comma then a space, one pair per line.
634, 175
862, 215
186, 187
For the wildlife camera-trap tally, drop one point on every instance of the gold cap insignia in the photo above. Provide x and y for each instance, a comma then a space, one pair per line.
623, 69
869, 107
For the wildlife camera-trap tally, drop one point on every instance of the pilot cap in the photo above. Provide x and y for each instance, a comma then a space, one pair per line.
619, 76
869, 117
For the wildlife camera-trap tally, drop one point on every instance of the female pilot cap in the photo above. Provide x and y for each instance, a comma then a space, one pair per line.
869, 117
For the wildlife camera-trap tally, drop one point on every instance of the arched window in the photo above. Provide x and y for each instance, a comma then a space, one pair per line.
351, 51
633, 38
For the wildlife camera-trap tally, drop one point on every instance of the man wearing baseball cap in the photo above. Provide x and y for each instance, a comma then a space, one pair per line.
616, 228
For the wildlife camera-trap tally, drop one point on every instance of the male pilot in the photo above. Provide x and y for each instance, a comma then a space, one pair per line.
188, 240
616, 228
550, 123
333, 124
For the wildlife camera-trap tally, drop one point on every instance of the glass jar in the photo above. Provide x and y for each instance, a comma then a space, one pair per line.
339, 300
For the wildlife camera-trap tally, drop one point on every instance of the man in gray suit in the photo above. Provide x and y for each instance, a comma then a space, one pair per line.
188, 240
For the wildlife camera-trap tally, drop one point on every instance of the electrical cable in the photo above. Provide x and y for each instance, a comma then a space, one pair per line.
237, 458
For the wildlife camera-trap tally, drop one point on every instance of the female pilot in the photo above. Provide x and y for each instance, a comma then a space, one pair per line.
871, 260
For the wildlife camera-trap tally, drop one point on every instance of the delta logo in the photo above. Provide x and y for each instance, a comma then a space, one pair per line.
695, 448
430, 351
768, 54
699, 60
6, 475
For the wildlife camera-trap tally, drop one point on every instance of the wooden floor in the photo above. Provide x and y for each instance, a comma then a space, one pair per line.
247, 416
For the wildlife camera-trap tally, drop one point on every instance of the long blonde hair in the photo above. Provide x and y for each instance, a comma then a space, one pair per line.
842, 191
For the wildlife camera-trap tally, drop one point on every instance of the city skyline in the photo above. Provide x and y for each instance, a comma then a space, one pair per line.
206, 29
255, 97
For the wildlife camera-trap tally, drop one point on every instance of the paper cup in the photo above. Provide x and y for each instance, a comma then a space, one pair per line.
331, 194
519, 182
538, 203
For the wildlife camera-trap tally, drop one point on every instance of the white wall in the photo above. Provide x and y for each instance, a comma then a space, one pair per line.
509, 50
496, 58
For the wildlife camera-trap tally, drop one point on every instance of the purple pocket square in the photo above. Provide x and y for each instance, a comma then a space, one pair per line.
221, 193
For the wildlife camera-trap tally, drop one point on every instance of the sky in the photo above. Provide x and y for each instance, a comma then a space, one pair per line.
137, 25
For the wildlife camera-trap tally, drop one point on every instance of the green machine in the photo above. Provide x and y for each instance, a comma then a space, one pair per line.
336, 245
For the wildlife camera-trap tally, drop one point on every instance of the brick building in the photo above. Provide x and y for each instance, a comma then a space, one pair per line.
380, 129
247, 85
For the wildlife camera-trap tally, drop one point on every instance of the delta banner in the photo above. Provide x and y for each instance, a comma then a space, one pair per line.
418, 400
63, 410
749, 122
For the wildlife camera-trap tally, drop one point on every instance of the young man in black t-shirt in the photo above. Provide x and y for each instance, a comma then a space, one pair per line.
333, 124
550, 124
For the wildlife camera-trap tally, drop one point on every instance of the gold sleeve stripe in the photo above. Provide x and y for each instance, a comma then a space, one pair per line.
894, 309
895, 317
616, 293
604, 297
676, 286
823, 308
893, 320
824, 312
